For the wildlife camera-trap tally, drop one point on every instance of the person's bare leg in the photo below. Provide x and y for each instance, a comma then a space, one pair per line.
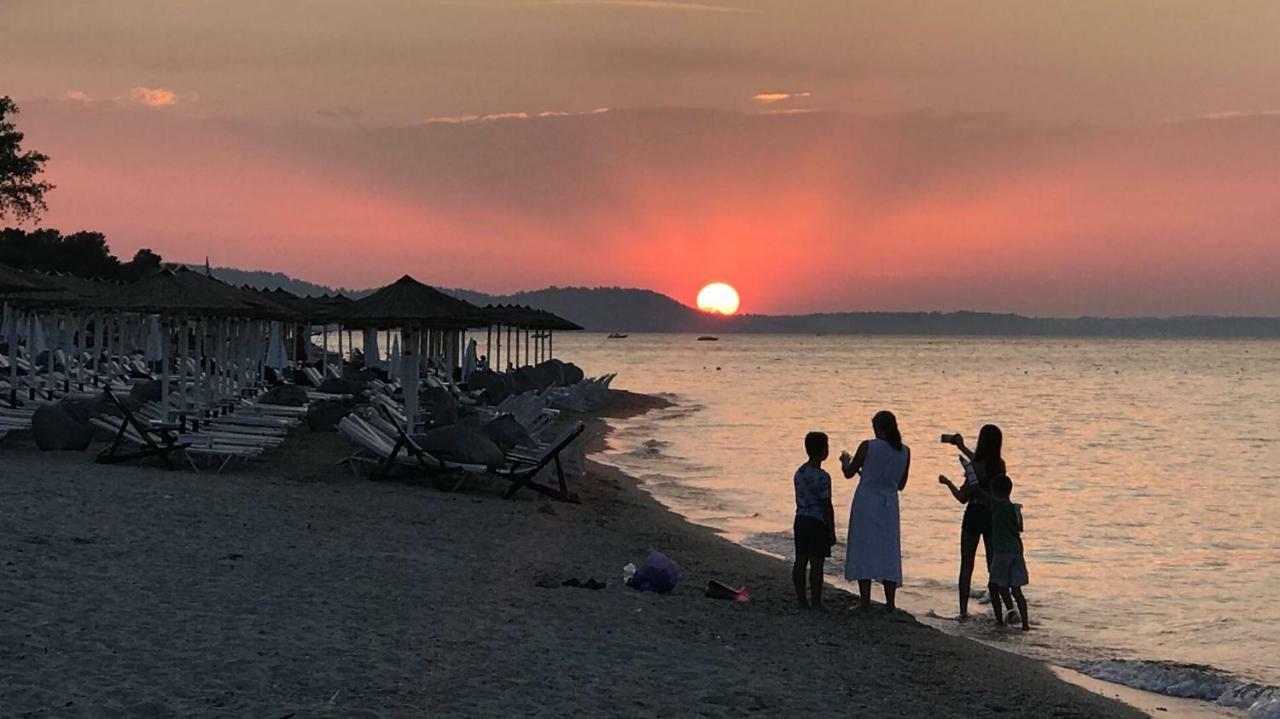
797, 577
815, 583
1022, 608
864, 593
997, 604
1007, 597
890, 593
968, 550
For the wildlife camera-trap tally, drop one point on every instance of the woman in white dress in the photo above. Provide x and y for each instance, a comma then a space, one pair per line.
874, 550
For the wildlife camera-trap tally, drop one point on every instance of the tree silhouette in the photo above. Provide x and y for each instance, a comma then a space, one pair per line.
21, 192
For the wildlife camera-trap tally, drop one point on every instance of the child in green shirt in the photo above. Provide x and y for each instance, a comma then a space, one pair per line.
1008, 568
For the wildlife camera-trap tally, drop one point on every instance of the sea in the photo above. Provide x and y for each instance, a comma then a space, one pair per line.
1148, 471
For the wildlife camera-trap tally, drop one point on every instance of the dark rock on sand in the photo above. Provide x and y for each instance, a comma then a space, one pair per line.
144, 392
341, 386
285, 395
524, 380
439, 406
62, 426
458, 443
573, 374
496, 387
324, 416
507, 433
553, 371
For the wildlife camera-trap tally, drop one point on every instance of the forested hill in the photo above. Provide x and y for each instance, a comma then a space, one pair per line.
616, 309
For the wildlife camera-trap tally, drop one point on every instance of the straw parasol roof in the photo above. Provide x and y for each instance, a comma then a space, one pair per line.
184, 292
408, 301
325, 308
58, 291
12, 281
524, 317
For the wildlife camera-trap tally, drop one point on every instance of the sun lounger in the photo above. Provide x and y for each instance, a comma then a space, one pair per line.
153, 440
525, 467
387, 454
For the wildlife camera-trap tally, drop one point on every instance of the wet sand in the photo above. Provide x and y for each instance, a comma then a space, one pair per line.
294, 589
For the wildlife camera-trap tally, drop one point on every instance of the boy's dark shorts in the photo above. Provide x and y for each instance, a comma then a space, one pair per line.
813, 537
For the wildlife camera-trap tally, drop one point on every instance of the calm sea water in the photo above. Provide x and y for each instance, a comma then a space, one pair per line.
1149, 473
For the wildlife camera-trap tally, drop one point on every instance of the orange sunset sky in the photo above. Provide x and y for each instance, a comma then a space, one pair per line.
1053, 158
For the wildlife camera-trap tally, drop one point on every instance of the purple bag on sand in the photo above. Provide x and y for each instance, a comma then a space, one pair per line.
657, 573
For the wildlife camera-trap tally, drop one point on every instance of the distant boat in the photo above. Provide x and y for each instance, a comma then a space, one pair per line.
708, 338
617, 336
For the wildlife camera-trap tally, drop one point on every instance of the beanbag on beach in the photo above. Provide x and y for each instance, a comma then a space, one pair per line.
460, 443
657, 573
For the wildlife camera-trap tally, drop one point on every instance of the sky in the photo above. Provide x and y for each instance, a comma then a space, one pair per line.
1048, 158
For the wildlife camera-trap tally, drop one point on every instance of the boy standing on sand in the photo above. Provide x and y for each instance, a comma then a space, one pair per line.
815, 524
1008, 568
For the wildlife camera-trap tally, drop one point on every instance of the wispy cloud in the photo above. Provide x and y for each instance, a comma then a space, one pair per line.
788, 111
661, 5
496, 116
77, 96
1231, 115
153, 96
769, 98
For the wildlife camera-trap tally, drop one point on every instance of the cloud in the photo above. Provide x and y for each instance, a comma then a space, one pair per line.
768, 98
153, 96
671, 5
496, 116
77, 96
1230, 115
341, 113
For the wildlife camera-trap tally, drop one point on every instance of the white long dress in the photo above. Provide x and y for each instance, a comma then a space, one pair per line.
874, 550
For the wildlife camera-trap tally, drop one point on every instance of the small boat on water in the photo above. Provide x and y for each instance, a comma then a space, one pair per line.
708, 338
617, 336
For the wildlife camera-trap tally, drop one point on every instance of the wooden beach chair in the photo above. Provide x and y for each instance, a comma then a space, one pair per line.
154, 439
386, 454
526, 465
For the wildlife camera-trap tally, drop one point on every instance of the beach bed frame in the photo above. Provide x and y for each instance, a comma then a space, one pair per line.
155, 440
525, 466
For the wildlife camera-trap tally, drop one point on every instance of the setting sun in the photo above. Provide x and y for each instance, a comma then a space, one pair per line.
719, 298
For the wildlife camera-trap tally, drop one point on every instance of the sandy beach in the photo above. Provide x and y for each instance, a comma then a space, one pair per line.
294, 589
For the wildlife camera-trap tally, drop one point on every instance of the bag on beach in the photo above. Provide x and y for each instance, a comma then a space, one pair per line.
657, 573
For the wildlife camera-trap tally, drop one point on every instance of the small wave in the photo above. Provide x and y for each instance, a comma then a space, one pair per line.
1188, 681
652, 446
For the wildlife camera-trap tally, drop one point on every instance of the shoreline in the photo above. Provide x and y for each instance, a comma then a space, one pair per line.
292, 587
1148, 702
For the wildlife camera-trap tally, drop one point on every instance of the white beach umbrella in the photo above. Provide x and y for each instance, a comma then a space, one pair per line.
393, 359
36, 343
409, 380
372, 357
153, 348
469, 360
277, 358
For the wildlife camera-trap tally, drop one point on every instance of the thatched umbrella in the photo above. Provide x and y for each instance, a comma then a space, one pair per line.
522, 318
12, 280
412, 307
188, 301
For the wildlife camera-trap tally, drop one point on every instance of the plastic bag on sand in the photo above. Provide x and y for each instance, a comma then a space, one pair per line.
657, 573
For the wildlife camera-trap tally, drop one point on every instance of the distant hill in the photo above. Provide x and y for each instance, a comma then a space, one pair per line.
619, 309
274, 280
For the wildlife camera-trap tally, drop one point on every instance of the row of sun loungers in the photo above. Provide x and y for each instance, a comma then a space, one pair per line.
221, 441
384, 444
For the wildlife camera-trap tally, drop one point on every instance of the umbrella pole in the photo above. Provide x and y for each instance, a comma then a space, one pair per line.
13, 358
164, 367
